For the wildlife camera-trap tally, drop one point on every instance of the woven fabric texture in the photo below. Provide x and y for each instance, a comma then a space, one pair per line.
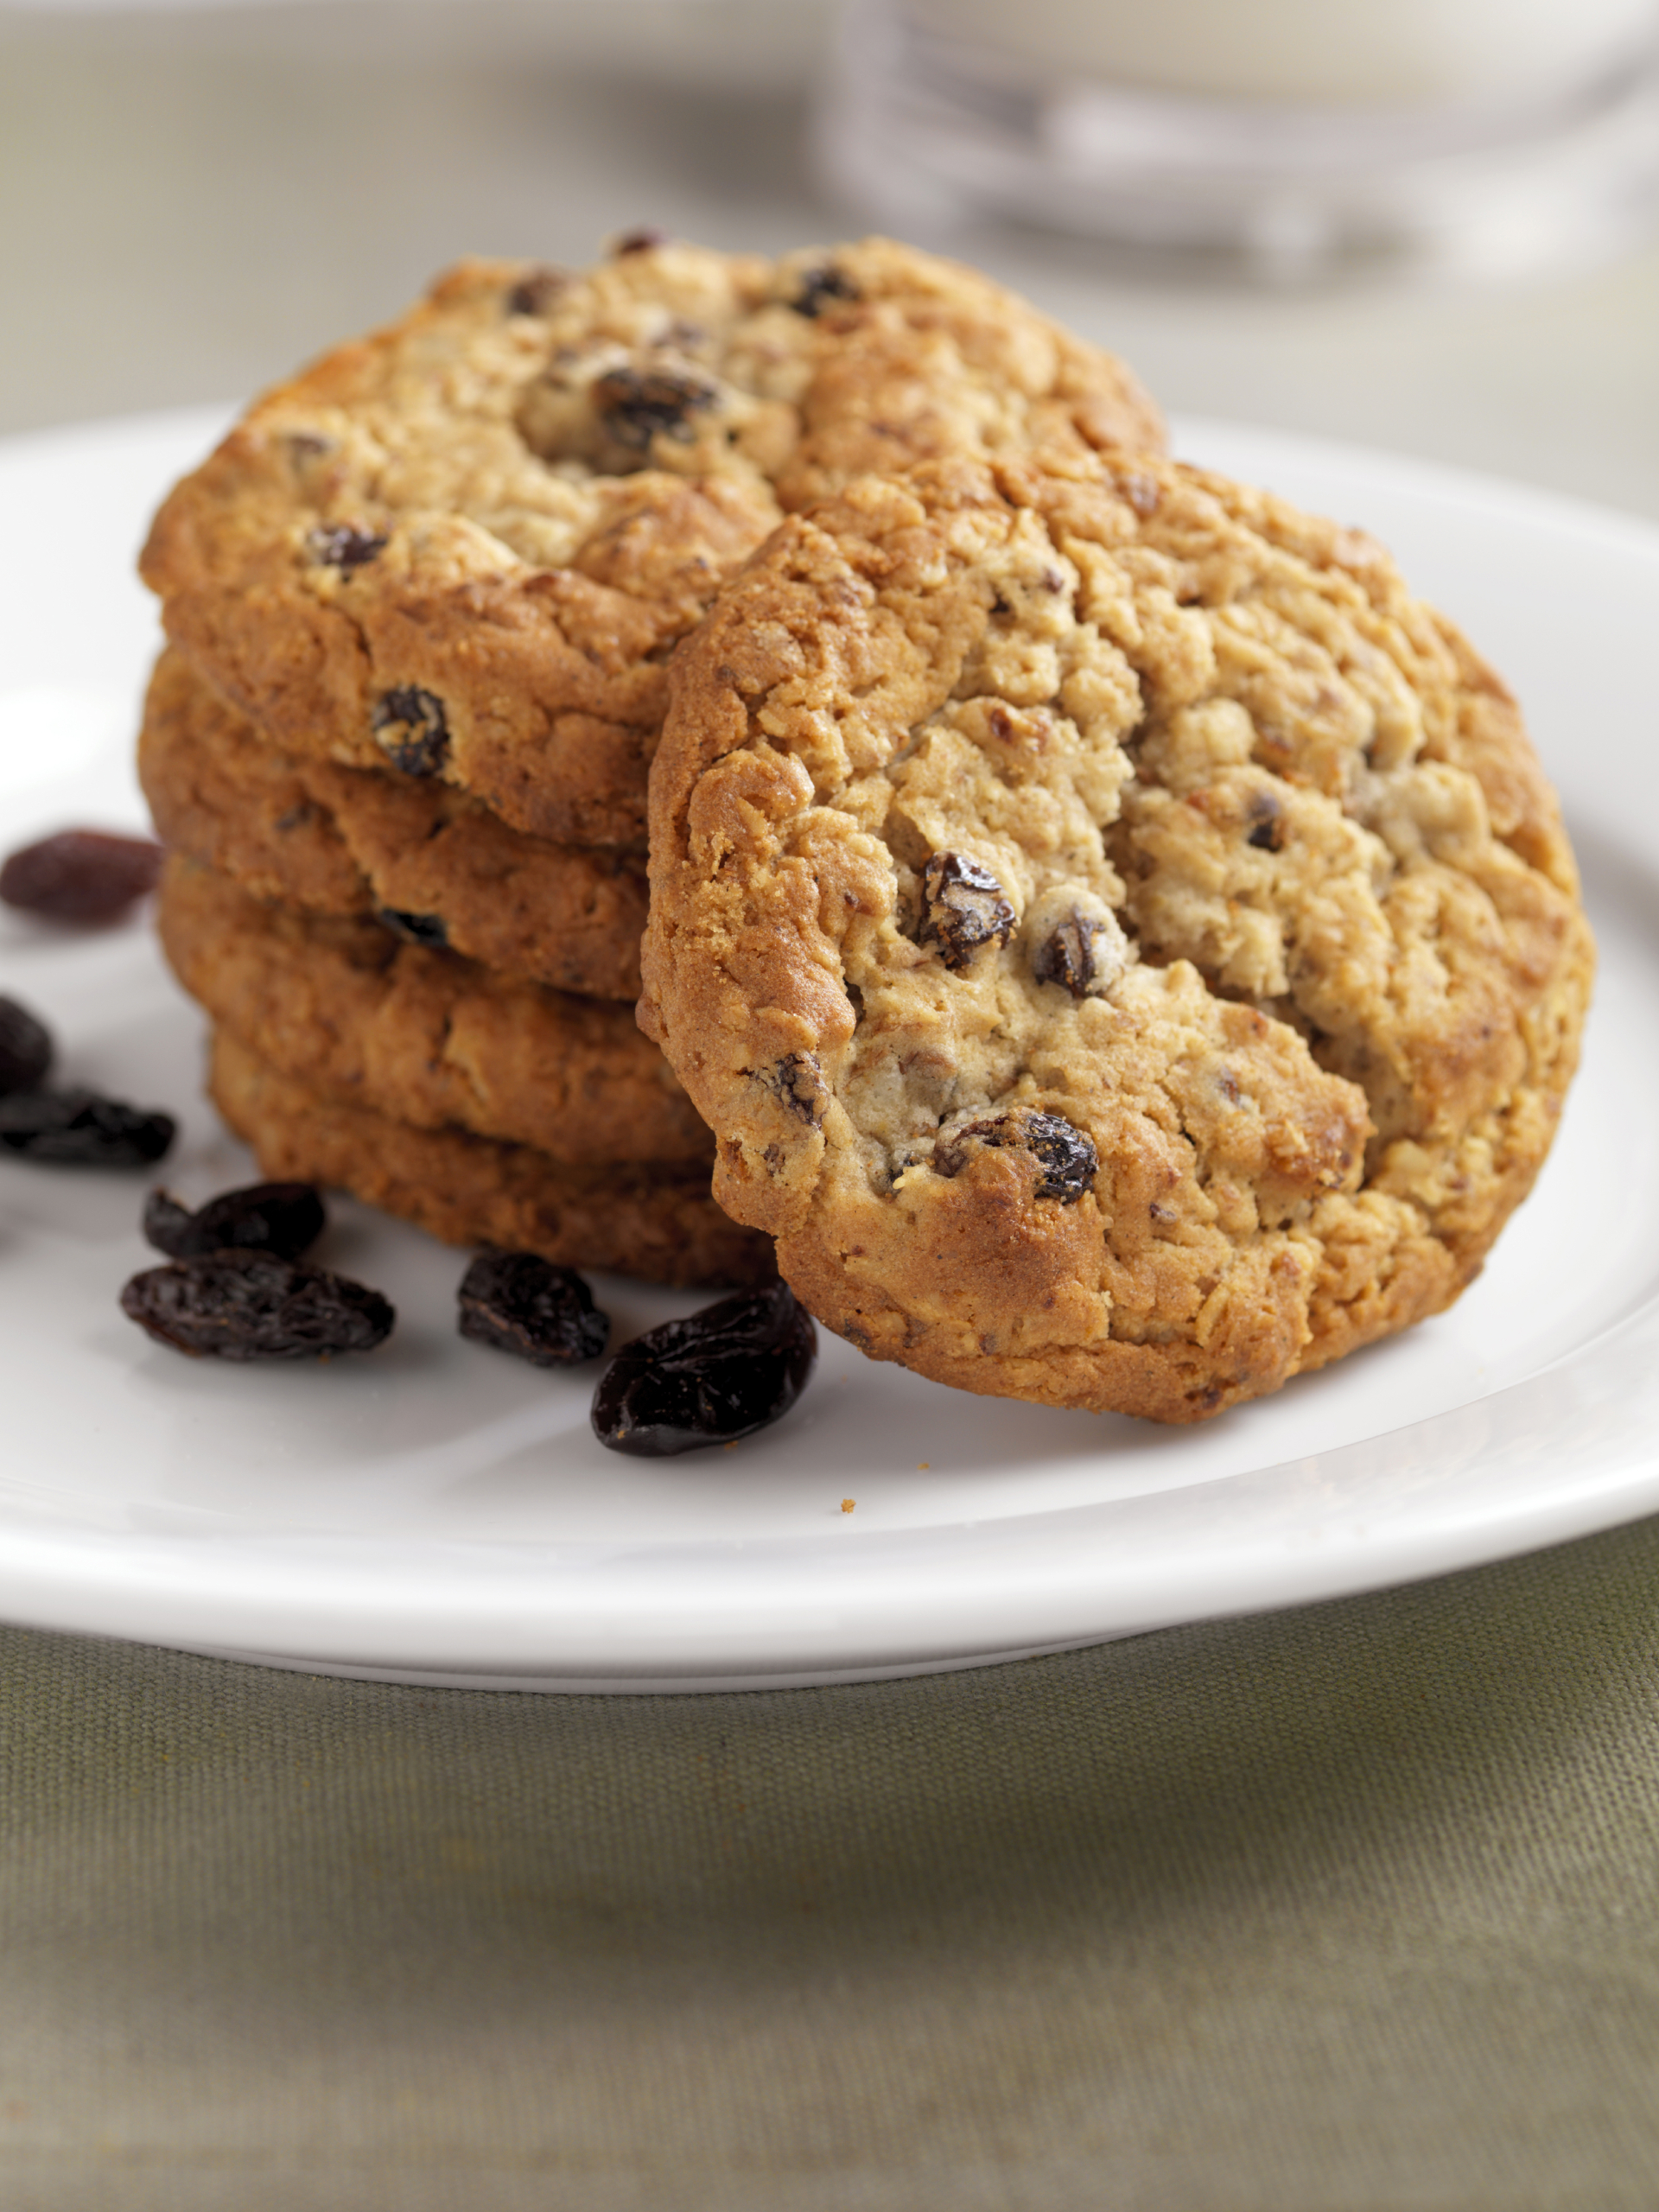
1354, 1906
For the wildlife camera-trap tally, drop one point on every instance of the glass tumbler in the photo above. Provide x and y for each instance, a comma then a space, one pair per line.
1284, 139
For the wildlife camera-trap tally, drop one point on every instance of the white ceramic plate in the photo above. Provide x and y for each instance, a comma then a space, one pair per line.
437, 1513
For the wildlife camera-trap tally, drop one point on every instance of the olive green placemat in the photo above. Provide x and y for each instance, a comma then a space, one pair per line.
1356, 1906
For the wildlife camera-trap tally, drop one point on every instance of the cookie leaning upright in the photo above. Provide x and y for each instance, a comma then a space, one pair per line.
464, 546
1124, 943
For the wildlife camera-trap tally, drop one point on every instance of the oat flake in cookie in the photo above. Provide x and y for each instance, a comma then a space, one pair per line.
1123, 943
462, 547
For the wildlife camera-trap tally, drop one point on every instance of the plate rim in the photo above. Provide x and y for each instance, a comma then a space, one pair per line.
179, 1589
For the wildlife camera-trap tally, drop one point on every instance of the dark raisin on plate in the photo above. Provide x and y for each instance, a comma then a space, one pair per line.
281, 1218
708, 1379
89, 877
78, 1129
25, 1048
246, 1305
522, 1304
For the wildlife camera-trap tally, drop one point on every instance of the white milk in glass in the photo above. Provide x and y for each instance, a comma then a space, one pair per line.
1415, 53
1283, 138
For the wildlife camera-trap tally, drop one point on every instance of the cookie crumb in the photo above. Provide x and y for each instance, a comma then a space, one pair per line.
847, 1504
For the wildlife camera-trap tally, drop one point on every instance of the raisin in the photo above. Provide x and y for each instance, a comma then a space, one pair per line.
1268, 835
417, 929
796, 1081
280, 1217
708, 1379
819, 287
424, 746
638, 404
641, 241
1066, 1155
536, 289
345, 547
1067, 955
255, 1306
966, 909
77, 1129
524, 1305
81, 875
25, 1048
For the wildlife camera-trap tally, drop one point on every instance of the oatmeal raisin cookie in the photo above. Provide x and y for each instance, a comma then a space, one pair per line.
463, 547
1123, 943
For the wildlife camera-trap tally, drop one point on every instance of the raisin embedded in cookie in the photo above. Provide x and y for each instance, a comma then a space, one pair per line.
463, 548
430, 862
423, 1035
657, 1221
1124, 944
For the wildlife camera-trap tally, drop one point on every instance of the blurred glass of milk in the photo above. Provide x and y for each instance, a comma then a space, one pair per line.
1281, 138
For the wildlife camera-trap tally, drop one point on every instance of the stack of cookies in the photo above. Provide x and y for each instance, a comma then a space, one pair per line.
420, 608
1118, 946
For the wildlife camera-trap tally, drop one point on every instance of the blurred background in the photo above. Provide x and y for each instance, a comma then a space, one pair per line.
197, 198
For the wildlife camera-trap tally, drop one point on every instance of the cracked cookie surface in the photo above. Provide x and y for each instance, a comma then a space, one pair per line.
426, 1037
430, 862
463, 547
1123, 943
655, 1222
